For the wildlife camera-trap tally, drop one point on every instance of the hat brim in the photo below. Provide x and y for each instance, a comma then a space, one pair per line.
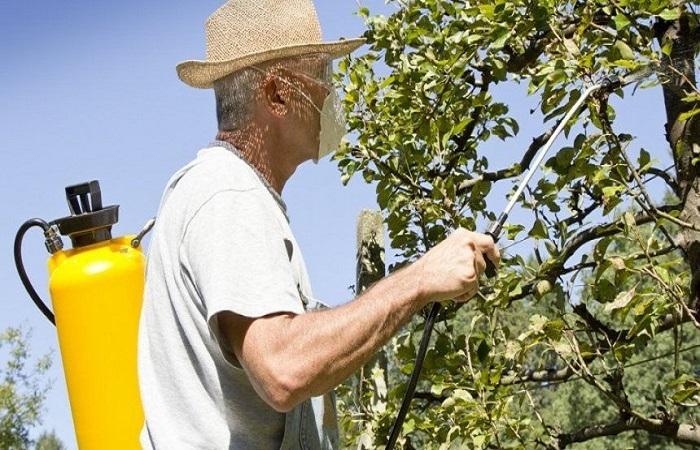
202, 74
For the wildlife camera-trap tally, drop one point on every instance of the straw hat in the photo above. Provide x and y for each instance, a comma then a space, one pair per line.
246, 32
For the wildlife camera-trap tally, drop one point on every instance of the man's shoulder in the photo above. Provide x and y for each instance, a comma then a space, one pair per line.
214, 171
216, 168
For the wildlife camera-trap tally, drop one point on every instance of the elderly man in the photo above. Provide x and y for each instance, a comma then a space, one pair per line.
234, 351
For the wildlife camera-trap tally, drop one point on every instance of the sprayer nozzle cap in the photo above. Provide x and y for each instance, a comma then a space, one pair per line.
89, 221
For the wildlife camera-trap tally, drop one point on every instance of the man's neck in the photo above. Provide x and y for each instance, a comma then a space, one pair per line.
252, 146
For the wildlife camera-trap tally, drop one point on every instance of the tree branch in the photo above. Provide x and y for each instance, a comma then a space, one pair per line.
666, 177
600, 231
641, 255
596, 325
554, 375
580, 216
508, 172
554, 267
679, 432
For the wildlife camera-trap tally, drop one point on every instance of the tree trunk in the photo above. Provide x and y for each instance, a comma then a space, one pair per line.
678, 78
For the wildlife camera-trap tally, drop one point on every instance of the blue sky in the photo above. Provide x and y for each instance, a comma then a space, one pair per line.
88, 91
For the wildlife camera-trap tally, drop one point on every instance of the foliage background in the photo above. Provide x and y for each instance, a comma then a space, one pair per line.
612, 261
23, 388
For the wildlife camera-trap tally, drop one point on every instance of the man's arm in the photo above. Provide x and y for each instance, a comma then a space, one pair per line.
289, 358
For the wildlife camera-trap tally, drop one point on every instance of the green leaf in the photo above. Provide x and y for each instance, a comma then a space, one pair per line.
543, 287
379, 382
667, 47
625, 51
670, 14
683, 395
688, 114
622, 300
538, 230
537, 323
462, 125
463, 395
612, 191
605, 290
437, 388
621, 21
513, 230
554, 328
501, 40
409, 426
644, 160
601, 248
487, 10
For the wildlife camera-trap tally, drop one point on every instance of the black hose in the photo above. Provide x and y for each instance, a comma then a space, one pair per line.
494, 231
20, 266
411, 388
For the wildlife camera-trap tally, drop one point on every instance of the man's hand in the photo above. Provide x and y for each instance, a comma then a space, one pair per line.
451, 269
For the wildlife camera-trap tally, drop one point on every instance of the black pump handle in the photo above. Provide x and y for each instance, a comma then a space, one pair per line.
81, 191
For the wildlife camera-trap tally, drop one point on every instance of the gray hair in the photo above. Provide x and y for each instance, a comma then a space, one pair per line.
235, 93
235, 97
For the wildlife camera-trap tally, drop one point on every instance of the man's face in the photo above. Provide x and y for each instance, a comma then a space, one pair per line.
302, 90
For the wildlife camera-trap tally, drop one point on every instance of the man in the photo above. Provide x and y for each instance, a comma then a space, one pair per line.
234, 352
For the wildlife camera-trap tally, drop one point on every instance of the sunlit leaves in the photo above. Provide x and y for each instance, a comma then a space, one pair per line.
424, 116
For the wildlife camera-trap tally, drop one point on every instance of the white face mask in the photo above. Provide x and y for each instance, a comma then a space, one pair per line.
333, 126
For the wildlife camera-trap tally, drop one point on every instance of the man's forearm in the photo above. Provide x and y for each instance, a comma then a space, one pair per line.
323, 348
292, 357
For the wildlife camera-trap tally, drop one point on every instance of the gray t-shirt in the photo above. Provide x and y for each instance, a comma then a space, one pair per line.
222, 242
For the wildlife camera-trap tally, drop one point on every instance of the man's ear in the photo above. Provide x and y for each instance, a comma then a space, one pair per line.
275, 96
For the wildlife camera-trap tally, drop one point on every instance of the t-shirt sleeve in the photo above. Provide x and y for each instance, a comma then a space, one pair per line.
234, 249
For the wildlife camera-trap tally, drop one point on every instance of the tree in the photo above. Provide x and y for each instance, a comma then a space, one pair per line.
22, 390
646, 374
422, 108
49, 441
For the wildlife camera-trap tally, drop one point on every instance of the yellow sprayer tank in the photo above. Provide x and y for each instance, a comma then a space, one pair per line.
96, 292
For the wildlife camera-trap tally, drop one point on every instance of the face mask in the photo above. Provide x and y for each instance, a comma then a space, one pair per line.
333, 126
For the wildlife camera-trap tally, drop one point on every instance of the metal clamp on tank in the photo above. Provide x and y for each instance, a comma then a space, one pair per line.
148, 226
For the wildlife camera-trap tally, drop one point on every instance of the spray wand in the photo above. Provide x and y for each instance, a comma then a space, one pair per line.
609, 84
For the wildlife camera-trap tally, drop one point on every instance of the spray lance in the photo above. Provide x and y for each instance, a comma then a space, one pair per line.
96, 289
609, 84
